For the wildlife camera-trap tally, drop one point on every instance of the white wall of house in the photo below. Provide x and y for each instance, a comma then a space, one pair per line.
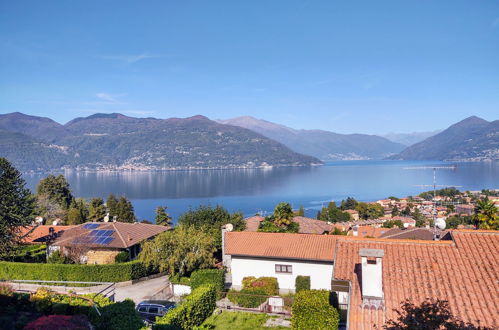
320, 273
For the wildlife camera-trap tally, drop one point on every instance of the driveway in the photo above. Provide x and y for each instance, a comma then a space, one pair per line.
142, 290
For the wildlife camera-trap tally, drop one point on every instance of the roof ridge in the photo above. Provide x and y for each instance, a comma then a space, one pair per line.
119, 234
400, 240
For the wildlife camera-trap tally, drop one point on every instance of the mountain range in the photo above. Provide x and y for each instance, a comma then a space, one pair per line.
472, 139
118, 142
408, 139
325, 145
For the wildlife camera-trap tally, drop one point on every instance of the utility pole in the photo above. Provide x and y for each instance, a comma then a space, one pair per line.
434, 185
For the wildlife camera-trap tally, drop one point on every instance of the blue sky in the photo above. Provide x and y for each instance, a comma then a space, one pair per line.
345, 66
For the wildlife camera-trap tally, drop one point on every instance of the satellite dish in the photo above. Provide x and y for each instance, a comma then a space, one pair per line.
229, 227
440, 223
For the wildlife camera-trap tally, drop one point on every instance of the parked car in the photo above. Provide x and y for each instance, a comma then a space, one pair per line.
150, 309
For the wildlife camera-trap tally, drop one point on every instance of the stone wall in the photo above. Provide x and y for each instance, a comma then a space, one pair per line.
101, 256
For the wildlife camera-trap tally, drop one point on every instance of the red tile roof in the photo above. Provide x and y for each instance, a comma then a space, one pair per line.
307, 225
124, 234
465, 272
39, 234
253, 223
280, 245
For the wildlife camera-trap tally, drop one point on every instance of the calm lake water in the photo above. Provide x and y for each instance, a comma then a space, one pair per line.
259, 190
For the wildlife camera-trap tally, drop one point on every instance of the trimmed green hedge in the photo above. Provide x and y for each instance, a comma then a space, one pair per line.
209, 276
192, 312
60, 272
312, 311
255, 291
302, 283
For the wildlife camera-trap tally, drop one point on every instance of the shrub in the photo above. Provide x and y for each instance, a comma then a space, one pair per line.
192, 311
312, 310
119, 316
57, 258
58, 322
42, 299
6, 293
86, 273
121, 257
209, 276
302, 283
255, 291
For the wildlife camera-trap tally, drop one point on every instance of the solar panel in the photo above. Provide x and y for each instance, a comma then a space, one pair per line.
101, 233
91, 225
107, 240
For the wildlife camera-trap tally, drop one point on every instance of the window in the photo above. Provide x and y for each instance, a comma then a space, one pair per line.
153, 310
143, 309
287, 269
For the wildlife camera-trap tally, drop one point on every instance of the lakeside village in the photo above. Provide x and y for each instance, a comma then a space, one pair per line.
397, 263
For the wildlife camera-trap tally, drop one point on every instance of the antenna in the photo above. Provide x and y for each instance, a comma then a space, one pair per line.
437, 223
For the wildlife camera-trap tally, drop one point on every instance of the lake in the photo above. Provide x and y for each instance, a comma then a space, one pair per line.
259, 190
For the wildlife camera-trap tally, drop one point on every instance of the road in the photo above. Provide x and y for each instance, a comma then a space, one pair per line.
142, 290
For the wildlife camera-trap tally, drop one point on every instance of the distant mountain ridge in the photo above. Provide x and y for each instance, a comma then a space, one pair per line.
472, 139
119, 142
408, 139
325, 145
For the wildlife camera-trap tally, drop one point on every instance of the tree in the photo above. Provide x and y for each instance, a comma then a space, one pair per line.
332, 214
57, 189
486, 215
78, 212
179, 251
163, 218
301, 211
125, 212
393, 223
349, 204
395, 211
283, 214
16, 206
431, 314
369, 211
407, 211
97, 210
211, 219
112, 206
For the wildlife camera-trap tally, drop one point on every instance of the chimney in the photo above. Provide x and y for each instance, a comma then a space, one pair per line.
226, 258
355, 230
372, 277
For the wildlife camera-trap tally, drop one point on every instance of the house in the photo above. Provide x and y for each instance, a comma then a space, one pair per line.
367, 231
466, 209
425, 234
406, 221
353, 214
372, 277
280, 255
41, 234
100, 242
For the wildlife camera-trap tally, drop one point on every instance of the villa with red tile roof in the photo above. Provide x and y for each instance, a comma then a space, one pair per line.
372, 277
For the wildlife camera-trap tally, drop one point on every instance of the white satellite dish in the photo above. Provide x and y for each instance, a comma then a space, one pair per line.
229, 227
440, 223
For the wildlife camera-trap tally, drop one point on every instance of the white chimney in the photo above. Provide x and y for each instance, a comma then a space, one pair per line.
372, 277
355, 230
226, 259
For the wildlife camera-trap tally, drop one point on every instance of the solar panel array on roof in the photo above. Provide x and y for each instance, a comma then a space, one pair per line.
102, 237
91, 225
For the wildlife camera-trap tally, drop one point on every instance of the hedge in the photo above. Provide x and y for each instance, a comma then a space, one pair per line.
192, 312
302, 283
313, 311
215, 277
83, 273
255, 291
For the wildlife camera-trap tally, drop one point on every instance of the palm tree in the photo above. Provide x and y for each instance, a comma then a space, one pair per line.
486, 215
283, 214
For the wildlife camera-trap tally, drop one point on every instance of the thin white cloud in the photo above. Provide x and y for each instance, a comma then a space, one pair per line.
110, 98
129, 59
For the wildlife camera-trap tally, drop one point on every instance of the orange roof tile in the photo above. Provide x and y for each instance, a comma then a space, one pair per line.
253, 223
39, 234
281, 245
465, 272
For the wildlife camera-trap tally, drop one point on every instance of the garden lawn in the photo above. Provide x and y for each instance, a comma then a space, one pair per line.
238, 320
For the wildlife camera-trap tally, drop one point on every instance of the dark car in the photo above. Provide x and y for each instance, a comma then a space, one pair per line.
150, 309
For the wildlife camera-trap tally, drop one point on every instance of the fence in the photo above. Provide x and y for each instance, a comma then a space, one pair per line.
233, 300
